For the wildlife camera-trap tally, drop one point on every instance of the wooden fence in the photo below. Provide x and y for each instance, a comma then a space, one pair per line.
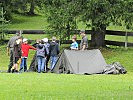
108, 32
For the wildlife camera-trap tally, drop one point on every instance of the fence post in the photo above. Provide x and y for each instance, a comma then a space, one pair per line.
21, 31
126, 40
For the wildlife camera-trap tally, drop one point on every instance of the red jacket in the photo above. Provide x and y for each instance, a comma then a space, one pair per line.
25, 49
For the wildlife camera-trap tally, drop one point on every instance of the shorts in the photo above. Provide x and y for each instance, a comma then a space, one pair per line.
16, 60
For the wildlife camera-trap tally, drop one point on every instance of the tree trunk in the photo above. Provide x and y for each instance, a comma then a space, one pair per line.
32, 8
68, 32
98, 37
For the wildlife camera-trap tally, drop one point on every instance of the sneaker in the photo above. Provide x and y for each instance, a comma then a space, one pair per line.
16, 71
13, 70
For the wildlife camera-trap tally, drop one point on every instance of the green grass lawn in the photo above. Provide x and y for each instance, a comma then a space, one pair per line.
23, 22
34, 86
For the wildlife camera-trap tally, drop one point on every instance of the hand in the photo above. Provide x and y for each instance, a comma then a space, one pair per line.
37, 41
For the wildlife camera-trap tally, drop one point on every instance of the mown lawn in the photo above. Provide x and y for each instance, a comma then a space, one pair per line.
34, 86
23, 22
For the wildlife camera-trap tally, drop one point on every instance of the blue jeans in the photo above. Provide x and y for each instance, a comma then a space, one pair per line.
23, 65
41, 63
53, 60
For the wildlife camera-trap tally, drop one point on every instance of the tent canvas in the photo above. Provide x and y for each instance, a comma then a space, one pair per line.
80, 62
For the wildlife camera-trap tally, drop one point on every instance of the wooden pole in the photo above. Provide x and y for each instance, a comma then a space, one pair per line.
126, 40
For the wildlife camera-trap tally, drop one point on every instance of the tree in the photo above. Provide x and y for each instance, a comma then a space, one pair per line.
61, 16
101, 13
3, 23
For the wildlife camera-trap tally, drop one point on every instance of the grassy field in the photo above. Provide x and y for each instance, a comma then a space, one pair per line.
34, 86
23, 22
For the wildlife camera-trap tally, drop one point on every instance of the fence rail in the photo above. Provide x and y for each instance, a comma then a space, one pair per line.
108, 32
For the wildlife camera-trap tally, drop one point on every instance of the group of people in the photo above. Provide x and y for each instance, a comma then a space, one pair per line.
18, 49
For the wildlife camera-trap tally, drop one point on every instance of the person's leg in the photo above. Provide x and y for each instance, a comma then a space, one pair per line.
39, 64
11, 61
54, 61
22, 64
15, 67
43, 64
51, 62
25, 64
47, 60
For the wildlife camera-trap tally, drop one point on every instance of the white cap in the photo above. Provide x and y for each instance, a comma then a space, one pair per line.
45, 40
24, 40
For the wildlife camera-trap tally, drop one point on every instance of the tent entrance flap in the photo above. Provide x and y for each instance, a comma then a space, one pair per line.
80, 62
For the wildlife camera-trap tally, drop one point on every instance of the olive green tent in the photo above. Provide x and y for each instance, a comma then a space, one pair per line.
80, 62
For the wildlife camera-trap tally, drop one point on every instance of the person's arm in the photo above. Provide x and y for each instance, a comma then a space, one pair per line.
76, 46
8, 48
8, 51
47, 50
31, 47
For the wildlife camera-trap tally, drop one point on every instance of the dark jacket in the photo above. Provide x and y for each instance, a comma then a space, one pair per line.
17, 50
54, 49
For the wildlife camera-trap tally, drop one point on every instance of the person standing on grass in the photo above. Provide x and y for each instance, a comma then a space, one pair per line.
84, 41
74, 45
54, 51
17, 54
47, 45
25, 47
41, 56
10, 50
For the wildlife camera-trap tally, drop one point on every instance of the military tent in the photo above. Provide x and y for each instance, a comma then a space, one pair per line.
80, 62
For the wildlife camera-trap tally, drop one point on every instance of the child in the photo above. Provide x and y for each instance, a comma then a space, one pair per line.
25, 50
17, 54
41, 56
74, 45
54, 51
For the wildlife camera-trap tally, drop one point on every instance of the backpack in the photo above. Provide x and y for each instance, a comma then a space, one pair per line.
120, 68
115, 68
41, 51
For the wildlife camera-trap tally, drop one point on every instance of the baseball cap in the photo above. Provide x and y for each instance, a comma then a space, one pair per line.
45, 40
24, 40
82, 31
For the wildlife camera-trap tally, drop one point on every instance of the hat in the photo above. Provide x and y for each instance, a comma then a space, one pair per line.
24, 40
82, 31
45, 40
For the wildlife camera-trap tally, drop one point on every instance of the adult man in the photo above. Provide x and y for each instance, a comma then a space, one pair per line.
10, 50
54, 51
84, 41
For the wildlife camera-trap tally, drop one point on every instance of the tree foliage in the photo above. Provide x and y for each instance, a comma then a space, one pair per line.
97, 14
3, 23
61, 16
